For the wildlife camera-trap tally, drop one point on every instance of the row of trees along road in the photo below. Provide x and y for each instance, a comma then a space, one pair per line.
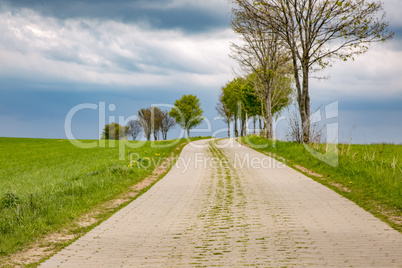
153, 121
297, 38
242, 99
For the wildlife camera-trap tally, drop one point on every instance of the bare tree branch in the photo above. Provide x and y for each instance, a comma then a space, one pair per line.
316, 32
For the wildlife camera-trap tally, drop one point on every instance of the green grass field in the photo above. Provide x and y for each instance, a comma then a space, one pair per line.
47, 184
369, 175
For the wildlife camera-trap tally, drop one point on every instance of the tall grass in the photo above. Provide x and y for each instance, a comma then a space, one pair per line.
372, 174
46, 184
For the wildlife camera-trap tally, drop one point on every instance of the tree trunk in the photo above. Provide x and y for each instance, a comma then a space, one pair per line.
228, 129
303, 98
247, 130
268, 126
235, 130
268, 123
242, 128
268, 112
304, 105
254, 119
260, 123
188, 133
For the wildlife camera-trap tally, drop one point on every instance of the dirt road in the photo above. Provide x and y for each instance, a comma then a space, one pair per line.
230, 206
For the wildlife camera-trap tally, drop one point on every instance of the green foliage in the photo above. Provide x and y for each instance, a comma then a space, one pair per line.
151, 121
114, 131
223, 110
315, 33
244, 92
372, 174
231, 96
187, 112
249, 98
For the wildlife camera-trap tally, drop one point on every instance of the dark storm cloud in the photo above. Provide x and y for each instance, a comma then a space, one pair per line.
194, 16
396, 43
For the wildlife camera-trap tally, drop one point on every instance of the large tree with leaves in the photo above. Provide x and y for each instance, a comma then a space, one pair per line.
151, 121
157, 118
317, 31
263, 54
231, 98
187, 112
145, 117
242, 98
224, 111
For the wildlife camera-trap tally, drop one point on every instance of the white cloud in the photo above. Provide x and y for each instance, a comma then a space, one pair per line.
375, 74
393, 12
110, 52
107, 52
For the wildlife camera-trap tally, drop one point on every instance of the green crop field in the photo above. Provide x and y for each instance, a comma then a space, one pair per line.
369, 175
47, 184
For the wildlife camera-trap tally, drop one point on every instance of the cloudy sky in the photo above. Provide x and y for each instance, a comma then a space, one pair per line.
57, 54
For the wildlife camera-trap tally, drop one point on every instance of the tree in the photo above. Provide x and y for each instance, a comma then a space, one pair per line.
281, 95
224, 111
252, 104
135, 128
187, 112
231, 98
167, 123
114, 131
250, 99
151, 120
157, 117
317, 31
241, 98
145, 116
262, 54
240, 102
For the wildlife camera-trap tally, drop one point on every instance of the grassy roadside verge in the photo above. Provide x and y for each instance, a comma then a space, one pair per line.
369, 175
48, 186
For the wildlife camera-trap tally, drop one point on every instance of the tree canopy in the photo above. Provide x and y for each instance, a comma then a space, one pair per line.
314, 32
114, 131
241, 98
187, 112
134, 128
167, 123
145, 117
155, 121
